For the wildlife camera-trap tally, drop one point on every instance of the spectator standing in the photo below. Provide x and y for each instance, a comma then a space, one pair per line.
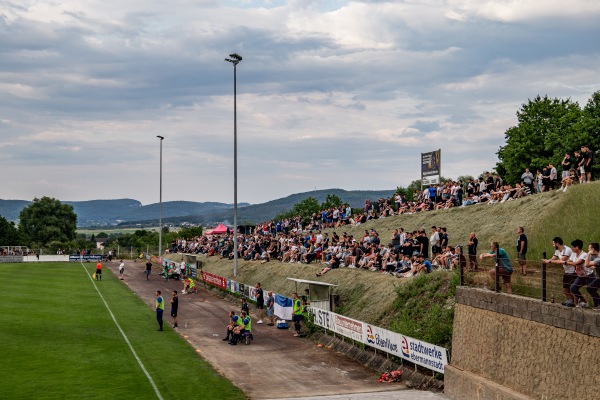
505, 268
160, 308
528, 179
593, 262
260, 302
553, 176
567, 163
121, 268
522, 249
174, 307
584, 274
472, 251
297, 315
561, 255
586, 164
270, 308
148, 269
436, 248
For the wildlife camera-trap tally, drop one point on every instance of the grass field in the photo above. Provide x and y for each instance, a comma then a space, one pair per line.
59, 341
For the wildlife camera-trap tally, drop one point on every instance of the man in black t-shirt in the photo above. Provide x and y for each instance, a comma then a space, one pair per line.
472, 251
148, 270
585, 166
522, 249
423, 243
566, 163
174, 307
260, 303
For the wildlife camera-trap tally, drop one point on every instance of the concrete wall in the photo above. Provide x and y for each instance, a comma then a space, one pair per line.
510, 347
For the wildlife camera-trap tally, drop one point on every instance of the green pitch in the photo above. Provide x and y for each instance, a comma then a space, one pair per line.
59, 341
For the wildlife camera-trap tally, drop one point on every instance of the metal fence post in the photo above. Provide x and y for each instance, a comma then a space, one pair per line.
497, 267
462, 268
543, 277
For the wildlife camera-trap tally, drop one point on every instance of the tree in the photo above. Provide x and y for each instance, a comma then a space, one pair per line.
46, 220
190, 232
9, 234
307, 207
332, 201
547, 129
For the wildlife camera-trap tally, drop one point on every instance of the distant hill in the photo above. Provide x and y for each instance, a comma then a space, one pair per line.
266, 211
130, 211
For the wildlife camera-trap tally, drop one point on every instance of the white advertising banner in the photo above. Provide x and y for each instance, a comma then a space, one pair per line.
339, 324
422, 353
416, 351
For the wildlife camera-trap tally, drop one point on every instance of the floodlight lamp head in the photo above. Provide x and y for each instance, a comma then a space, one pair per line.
160, 137
236, 56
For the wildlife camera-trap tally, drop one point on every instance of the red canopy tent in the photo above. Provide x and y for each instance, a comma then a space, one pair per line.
219, 230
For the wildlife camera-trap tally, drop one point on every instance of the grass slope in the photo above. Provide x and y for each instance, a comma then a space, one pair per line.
59, 341
373, 297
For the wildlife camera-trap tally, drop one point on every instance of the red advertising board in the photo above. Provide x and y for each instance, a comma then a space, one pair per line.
214, 280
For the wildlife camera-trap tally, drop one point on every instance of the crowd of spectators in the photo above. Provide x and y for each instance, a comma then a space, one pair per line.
404, 254
294, 240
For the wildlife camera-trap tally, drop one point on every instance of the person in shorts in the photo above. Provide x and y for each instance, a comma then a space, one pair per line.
270, 308
121, 268
561, 255
174, 307
260, 302
99, 271
148, 270
522, 249
505, 268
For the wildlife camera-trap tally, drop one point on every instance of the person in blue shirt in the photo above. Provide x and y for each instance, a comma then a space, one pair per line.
425, 264
505, 268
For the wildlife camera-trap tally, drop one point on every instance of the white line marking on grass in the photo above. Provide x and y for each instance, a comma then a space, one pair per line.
124, 335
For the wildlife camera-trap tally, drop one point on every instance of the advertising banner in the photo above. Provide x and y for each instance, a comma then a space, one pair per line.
430, 167
214, 280
418, 352
12, 259
85, 257
345, 326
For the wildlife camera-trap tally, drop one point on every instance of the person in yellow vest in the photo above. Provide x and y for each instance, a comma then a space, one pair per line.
297, 315
160, 308
191, 285
245, 324
234, 321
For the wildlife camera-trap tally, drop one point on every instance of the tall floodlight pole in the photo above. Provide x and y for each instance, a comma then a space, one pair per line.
161, 138
235, 59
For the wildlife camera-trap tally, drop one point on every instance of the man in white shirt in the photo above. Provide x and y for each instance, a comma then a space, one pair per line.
577, 261
560, 257
585, 274
434, 240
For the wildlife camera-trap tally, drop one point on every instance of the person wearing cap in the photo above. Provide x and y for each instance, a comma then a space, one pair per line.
270, 303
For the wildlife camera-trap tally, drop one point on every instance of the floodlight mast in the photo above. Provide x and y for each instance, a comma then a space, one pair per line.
235, 59
161, 138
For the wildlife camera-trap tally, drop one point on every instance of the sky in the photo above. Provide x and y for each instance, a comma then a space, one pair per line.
330, 94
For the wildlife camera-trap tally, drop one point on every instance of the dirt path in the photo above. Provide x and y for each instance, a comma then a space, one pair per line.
276, 365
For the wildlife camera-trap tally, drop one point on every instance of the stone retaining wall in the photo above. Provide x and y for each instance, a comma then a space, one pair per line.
510, 347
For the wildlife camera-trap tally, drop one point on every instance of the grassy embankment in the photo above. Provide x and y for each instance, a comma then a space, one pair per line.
422, 307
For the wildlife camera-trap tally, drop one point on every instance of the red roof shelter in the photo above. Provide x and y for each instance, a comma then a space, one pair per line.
219, 230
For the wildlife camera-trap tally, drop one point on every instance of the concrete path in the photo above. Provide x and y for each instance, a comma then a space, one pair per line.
276, 365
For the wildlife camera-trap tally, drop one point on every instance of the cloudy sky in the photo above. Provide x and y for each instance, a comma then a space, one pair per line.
331, 93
